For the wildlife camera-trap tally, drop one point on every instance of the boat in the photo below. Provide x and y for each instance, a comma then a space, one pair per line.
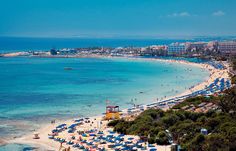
68, 68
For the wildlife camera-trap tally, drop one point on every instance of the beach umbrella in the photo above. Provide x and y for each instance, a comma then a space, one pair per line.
71, 130
79, 123
100, 133
62, 140
89, 143
84, 135
72, 126
151, 145
76, 145
139, 145
50, 137
109, 136
60, 126
128, 142
54, 130
125, 148
92, 134
79, 120
118, 138
112, 132
121, 135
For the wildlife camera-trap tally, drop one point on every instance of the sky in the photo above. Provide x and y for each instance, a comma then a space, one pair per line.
117, 18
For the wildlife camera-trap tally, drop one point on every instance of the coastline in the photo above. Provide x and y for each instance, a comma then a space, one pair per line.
45, 129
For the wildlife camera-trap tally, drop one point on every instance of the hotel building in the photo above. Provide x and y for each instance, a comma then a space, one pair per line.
195, 46
227, 47
176, 49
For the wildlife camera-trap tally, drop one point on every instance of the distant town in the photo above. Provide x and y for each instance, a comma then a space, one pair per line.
187, 49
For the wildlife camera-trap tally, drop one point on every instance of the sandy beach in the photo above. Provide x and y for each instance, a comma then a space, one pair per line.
47, 144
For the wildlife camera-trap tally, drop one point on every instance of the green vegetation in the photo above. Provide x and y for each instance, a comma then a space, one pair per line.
233, 60
184, 127
233, 79
227, 102
233, 65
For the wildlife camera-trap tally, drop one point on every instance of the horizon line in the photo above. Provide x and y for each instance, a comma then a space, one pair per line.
125, 37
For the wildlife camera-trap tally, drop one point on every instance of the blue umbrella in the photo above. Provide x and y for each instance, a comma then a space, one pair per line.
92, 134
79, 120
62, 125
151, 145
100, 133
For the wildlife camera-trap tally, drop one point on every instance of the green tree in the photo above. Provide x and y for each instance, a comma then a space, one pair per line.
227, 102
162, 138
216, 142
196, 144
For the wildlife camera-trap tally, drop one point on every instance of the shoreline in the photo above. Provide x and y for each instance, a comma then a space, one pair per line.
45, 129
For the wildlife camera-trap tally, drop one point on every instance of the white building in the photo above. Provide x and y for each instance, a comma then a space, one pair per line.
196, 45
176, 49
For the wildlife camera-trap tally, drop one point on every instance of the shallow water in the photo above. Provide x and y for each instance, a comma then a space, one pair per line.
34, 91
17, 147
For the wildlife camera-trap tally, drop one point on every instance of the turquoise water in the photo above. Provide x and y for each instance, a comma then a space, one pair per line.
17, 147
37, 90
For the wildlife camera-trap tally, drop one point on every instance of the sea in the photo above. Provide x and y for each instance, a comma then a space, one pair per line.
12, 44
34, 91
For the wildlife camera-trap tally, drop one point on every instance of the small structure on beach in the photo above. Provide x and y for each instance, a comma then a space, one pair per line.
36, 135
112, 112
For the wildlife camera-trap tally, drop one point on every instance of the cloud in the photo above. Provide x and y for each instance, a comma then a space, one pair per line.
181, 14
218, 13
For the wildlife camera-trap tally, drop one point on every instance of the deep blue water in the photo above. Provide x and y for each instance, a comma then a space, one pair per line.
9, 44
